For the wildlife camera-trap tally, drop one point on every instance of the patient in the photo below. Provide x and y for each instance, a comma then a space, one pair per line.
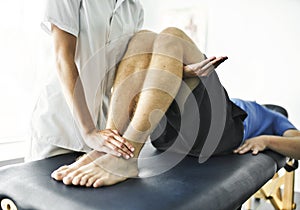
147, 81
149, 78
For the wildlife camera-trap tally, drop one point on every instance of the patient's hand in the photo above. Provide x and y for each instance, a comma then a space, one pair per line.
255, 144
204, 68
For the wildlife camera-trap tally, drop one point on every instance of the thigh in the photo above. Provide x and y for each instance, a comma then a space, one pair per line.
176, 125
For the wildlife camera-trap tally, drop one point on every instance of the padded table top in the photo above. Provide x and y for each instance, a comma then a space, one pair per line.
222, 182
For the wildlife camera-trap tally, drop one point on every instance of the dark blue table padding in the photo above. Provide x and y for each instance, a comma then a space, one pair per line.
223, 182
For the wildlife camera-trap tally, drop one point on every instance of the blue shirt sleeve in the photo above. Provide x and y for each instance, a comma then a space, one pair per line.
261, 120
281, 124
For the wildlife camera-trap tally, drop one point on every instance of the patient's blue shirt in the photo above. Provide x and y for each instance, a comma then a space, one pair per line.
261, 120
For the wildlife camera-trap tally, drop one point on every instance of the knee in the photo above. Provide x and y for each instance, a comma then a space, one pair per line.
144, 31
174, 32
178, 36
142, 39
142, 35
169, 39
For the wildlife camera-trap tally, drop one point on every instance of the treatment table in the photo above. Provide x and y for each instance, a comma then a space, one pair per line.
221, 183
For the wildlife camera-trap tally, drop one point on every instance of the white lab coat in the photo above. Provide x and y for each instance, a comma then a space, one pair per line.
103, 29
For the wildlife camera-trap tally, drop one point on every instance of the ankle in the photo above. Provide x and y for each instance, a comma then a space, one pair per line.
137, 148
118, 166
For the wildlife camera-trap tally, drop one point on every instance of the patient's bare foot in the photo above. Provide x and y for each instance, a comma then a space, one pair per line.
106, 170
63, 171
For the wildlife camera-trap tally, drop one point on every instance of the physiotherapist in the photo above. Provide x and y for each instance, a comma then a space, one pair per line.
89, 38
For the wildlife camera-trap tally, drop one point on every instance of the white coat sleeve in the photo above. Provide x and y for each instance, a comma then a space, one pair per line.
141, 19
65, 14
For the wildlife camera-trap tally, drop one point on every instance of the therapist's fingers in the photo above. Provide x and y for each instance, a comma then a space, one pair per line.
118, 146
114, 150
114, 134
117, 149
110, 149
117, 143
123, 140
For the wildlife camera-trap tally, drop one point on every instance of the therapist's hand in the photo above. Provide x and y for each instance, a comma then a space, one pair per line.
109, 141
255, 145
203, 68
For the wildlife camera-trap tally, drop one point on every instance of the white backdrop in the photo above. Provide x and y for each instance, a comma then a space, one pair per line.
24, 69
261, 39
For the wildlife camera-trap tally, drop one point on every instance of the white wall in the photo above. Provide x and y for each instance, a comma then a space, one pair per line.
23, 65
262, 41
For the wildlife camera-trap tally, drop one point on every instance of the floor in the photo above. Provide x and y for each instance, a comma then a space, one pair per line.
263, 205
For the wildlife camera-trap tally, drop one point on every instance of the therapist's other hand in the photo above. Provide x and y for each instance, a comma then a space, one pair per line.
255, 144
203, 68
110, 142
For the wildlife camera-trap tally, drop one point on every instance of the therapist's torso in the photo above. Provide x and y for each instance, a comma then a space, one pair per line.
103, 29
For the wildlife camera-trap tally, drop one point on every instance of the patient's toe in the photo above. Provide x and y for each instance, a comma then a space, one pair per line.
91, 181
84, 180
98, 183
77, 179
58, 174
67, 180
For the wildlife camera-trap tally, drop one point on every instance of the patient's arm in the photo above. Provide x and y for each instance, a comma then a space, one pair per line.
287, 145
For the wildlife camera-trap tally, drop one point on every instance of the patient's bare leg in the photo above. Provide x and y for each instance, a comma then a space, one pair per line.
133, 66
160, 86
